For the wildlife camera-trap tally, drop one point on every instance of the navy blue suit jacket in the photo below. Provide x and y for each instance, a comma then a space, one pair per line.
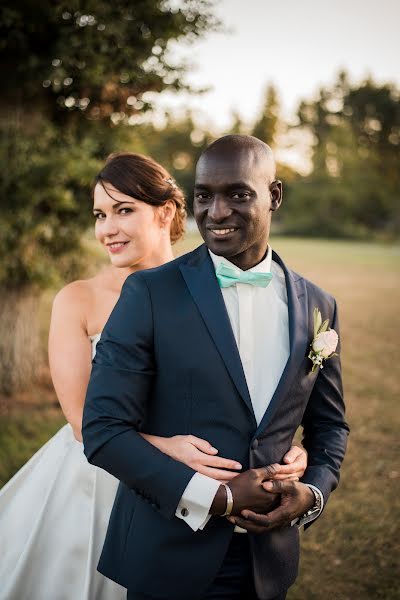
167, 363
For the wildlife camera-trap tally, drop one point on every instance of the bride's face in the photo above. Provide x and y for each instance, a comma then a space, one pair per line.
130, 230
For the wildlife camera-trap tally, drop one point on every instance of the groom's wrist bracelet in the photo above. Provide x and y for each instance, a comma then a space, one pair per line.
229, 500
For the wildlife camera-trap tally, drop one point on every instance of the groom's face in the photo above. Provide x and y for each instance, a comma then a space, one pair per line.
234, 197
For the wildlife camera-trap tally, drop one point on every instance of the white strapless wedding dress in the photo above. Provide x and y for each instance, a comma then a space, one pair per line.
53, 519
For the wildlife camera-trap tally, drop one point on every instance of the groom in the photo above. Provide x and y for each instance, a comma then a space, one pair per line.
215, 344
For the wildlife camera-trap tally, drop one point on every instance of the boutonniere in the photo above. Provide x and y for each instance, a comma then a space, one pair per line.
324, 343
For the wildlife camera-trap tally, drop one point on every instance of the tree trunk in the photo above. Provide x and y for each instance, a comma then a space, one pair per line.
20, 348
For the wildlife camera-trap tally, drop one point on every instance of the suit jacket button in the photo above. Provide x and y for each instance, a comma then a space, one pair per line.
184, 512
255, 444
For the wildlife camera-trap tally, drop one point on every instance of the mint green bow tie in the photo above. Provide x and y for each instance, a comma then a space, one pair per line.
228, 276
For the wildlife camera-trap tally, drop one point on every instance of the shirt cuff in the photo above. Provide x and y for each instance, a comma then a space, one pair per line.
303, 520
195, 503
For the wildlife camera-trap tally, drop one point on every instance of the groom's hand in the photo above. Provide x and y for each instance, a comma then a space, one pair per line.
295, 500
248, 492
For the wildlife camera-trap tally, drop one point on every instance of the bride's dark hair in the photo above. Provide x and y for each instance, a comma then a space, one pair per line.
141, 177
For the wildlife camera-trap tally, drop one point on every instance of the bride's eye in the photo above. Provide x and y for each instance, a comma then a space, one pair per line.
125, 211
99, 216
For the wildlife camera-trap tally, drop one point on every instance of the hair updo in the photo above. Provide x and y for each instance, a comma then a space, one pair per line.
141, 177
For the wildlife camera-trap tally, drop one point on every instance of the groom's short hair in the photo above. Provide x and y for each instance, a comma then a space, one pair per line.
241, 143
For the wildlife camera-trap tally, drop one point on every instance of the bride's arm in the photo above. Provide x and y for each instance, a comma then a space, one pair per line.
70, 352
198, 454
201, 456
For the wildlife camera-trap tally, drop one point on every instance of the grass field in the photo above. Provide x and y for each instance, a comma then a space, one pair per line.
353, 552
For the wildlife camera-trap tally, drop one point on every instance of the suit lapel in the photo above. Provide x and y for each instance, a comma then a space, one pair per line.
199, 275
298, 338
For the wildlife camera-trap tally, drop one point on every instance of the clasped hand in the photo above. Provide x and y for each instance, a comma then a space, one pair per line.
263, 498
261, 504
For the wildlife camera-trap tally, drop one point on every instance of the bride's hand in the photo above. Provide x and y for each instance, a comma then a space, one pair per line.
295, 464
197, 454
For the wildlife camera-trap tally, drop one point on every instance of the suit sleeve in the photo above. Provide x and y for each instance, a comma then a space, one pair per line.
117, 398
324, 426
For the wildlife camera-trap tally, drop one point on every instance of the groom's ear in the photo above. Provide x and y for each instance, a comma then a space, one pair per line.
275, 190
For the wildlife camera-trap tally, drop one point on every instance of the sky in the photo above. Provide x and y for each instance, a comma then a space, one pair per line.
298, 45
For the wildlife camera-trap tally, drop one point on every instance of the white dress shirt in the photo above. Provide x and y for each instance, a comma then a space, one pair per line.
260, 323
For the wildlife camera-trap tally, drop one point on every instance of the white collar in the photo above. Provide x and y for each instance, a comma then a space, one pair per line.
262, 267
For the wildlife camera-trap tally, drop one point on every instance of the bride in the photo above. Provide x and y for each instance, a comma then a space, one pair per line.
54, 512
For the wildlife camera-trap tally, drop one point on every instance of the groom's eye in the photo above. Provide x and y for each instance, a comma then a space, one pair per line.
241, 195
202, 196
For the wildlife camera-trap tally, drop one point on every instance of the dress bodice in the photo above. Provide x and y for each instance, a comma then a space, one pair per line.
94, 340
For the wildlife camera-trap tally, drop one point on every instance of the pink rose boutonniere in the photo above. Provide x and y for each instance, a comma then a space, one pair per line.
324, 343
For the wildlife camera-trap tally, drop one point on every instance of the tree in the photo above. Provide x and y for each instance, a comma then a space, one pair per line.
78, 74
374, 112
354, 187
177, 147
95, 57
238, 126
267, 125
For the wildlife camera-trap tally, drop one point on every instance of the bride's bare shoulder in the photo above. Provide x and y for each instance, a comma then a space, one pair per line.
82, 295
75, 299
87, 302
75, 292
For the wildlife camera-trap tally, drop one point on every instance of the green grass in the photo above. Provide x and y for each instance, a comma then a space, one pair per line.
352, 553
